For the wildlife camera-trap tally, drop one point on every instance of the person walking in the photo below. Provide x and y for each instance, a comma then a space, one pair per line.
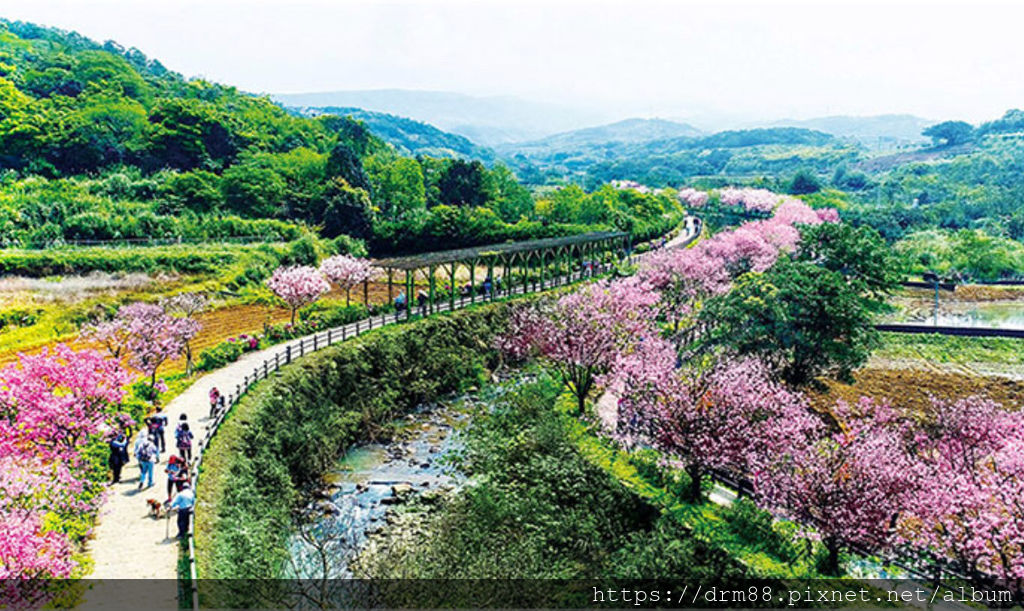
148, 455
118, 455
183, 502
157, 424
177, 474
421, 301
214, 401
183, 436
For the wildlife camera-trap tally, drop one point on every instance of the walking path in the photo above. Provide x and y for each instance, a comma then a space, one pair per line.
129, 544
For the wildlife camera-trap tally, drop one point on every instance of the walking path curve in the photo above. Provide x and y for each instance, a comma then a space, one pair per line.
129, 544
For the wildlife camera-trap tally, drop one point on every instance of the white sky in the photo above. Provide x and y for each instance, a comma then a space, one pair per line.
748, 61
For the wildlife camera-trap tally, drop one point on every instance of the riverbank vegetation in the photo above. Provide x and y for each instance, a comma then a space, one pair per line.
261, 459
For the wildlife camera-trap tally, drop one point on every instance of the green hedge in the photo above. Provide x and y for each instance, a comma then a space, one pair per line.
286, 432
188, 259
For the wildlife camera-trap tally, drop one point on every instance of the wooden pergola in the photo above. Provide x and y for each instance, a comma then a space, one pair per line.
567, 252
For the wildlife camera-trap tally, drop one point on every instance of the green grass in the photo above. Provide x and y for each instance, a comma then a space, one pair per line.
951, 349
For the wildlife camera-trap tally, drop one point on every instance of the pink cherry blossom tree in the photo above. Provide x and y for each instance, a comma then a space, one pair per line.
582, 333
971, 508
55, 399
732, 417
693, 198
187, 306
347, 272
147, 333
298, 286
761, 200
849, 486
52, 405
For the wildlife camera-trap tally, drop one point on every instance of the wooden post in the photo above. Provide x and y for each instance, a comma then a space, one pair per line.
408, 295
451, 287
288, 358
430, 302
490, 278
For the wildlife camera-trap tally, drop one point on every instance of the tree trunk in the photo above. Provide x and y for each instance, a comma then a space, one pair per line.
348, 297
294, 310
696, 479
832, 561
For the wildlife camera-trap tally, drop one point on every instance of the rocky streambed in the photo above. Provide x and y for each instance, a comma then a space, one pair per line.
369, 481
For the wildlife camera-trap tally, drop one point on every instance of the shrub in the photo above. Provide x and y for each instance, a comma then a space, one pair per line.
228, 351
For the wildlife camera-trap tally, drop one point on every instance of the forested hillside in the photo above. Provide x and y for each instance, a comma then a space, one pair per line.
409, 136
102, 143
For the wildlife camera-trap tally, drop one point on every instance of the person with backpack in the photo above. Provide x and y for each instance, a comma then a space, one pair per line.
148, 455
118, 455
184, 437
157, 423
177, 474
214, 401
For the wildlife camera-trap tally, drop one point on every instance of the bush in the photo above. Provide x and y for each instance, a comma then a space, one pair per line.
228, 351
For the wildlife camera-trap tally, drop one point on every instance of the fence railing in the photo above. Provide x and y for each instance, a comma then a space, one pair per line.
948, 330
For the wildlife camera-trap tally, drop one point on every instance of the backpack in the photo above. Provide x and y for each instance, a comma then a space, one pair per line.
184, 438
147, 453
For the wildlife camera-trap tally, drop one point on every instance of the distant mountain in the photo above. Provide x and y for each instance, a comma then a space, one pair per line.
879, 131
410, 137
628, 131
486, 120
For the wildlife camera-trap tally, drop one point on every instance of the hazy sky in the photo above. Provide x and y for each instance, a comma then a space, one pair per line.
678, 59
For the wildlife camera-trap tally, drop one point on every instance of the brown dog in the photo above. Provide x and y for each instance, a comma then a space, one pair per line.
156, 509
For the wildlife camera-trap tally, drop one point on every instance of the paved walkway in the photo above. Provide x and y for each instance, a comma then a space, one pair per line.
127, 542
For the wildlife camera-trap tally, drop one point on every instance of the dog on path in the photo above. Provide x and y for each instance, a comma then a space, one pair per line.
156, 509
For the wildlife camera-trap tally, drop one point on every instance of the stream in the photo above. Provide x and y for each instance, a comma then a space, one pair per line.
370, 479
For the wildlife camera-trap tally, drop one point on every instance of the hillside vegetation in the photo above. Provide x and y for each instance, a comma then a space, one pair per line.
100, 143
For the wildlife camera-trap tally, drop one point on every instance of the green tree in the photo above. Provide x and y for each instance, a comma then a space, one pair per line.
347, 211
466, 183
512, 200
805, 320
803, 183
344, 163
198, 191
253, 190
949, 133
397, 183
859, 254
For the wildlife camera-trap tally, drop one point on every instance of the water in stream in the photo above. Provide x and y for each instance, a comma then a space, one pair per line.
368, 480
